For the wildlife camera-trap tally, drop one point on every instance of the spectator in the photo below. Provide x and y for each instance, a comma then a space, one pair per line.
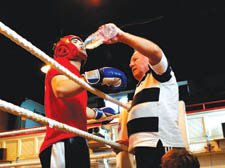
179, 158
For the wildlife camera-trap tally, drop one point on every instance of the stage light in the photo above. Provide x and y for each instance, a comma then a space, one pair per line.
95, 2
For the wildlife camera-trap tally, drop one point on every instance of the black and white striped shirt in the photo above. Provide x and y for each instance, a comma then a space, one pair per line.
154, 112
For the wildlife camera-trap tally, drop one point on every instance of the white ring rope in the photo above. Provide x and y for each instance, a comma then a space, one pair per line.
43, 128
24, 131
12, 35
16, 110
10, 165
101, 156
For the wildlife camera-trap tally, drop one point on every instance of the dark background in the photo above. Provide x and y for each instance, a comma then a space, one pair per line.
190, 32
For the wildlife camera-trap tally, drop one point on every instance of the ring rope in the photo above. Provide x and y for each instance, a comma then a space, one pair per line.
43, 128
12, 35
10, 165
16, 110
101, 156
25, 131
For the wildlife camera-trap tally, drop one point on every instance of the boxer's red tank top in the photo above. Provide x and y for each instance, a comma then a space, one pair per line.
71, 110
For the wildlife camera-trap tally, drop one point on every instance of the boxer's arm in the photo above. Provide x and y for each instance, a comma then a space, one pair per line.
91, 114
64, 87
113, 78
100, 113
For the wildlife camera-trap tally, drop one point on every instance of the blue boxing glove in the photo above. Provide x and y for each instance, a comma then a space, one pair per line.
104, 112
113, 78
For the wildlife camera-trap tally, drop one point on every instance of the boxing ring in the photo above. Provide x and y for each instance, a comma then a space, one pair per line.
19, 111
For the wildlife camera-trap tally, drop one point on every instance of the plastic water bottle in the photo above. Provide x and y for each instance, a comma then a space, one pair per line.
105, 32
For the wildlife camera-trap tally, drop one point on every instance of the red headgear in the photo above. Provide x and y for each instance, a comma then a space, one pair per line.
69, 49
